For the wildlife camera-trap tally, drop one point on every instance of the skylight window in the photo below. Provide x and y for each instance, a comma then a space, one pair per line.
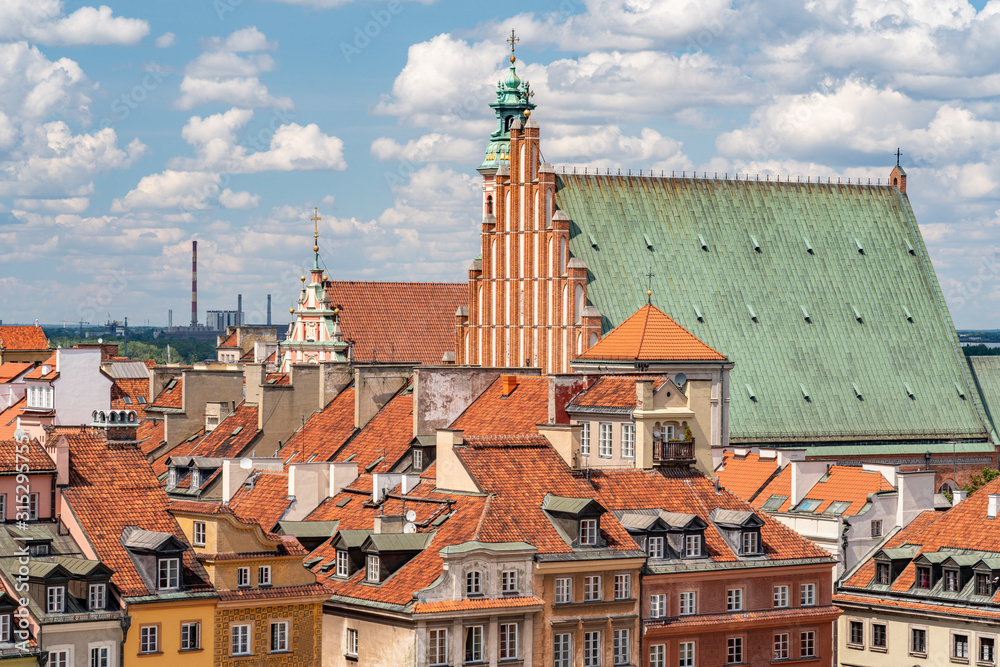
836, 508
809, 505
774, 503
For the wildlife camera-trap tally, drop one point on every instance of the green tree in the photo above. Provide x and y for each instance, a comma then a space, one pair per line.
978, 479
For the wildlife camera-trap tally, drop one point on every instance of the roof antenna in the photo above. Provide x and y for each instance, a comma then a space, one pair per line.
649, 288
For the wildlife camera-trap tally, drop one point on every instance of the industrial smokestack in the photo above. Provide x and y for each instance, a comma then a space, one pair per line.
239, 309
170, 319
194, 283
268, 310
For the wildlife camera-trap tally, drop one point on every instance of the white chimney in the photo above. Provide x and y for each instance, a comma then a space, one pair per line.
958, 496
991, 508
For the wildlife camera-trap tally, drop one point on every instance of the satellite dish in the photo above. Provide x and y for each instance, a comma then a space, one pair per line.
411, 516
680, 379
246, 464
20, 435
409, 528
100, 340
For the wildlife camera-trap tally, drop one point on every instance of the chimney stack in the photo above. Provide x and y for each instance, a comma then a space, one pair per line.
239, 310
958, 496
509, 384
268, 310
991, 508
194, 283
170, 319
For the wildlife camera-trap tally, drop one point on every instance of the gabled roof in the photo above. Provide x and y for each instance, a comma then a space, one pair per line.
25, 338
8, 419
132, 389
492, 413
828, 286
385, 439
650, 335
745, 475
848, 484
396, 321
38, 372
13, 455
172, 396
265, 500
12, 369
613, 391
323, 433
230, 342
231, 436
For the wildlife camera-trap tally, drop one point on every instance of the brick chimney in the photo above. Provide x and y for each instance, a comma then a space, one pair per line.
509, 384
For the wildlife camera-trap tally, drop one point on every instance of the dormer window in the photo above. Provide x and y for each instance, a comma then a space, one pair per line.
951, 581
692, 545
372, 573
923, 577
474, 583
55, 599
169, 573
654, 547
749, 542
418, 459
883, 574
97, 595
983, 584
172, 477
195, 478
343, 564
588, 532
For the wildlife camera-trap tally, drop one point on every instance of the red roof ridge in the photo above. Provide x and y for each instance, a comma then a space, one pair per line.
671, 342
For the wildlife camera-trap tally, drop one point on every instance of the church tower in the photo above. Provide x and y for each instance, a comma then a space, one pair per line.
527, 298
315, 334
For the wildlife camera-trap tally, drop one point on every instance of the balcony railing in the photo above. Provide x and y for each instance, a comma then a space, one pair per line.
673, 451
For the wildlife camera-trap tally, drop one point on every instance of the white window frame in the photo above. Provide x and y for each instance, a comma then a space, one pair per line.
60, 657
507, 641
910, 631
343, 563
807, 595
508, 581
876, 528
95, 659
239, 639
373, 569
807, 644
658, 655
592, 588
780, 598
606, 447
97, 597
592, 648
654, 546
991, 660
437, 646
628, 440
32, 507
623, 586
688, 604
352, 642
5, 627
168, 569
750, 542
277, 639
564, 590
198, 533
954, 649
588, 532
474, 583
149, 639
478, 643
562, 650
686, 654
621, 646
734, 599
734, 650
658, 605
264, 575
584, 438
692, 546
187, 630
781, 646
55, 599
243, 577
418, 459
3, 507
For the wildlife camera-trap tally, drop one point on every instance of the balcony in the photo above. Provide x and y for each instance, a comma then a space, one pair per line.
673, 452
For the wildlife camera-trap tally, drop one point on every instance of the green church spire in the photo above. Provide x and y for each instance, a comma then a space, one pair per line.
513, 101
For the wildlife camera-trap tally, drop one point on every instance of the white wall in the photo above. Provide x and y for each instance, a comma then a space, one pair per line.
81, 387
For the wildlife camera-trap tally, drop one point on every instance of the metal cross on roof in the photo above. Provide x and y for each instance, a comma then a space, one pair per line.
512, 40
649, 288
898, 154
316, 218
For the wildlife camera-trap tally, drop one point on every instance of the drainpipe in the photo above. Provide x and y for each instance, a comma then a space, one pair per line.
126, 624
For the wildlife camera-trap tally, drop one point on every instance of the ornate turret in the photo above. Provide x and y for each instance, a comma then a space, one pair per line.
513, 102
315, 334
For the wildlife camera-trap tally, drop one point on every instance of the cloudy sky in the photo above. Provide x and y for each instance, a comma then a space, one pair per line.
128, 130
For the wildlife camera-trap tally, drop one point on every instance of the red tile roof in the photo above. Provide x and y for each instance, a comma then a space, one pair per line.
112, 487
12, 456
324, 432
37, 373
171, 396
760, 619
25, 338
911, 534
780, 485
266, 502
687, 491
231, 341
650, 335
515, 414
926, 607
272, 592
399, 321
474, 603
387, 436
8, 419
151, 434
745, 475
353, 508
277, 378
614, 391
520, 471
133, 388
233, 434
846, 484
11, 369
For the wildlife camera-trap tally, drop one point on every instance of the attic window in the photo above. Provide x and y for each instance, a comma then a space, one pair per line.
805, 393
126, 400
141, 399
909, 391
753, 396
774, 503
805, 314
809, 247
588, 532
808, 505
692, 545
371, 574
649, 244
836, 508
750, 542
701, 241
756, 245
171, 384
343, 501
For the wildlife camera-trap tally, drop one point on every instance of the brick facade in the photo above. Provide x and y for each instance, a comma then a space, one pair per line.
304, 634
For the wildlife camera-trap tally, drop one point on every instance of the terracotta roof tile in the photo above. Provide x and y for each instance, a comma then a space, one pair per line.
36, 458
27, 338
324, 432
614, 391
99, 473
846, 484
11, 369
354, 510
518, 413
277, 378
172, 395
803, 615
780, 485
230, 437
132, 388
650, 335
272, 592
481, 603
8, 419
929, 608
151, 434
180, 449
387, 437
266, 502
908, 535
745, 475
520, 471
231, 341
37, 372
399, 321
684, 490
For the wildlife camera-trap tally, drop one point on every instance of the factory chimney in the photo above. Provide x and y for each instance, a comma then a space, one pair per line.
170, 319
268, 310
239, 310
194, 283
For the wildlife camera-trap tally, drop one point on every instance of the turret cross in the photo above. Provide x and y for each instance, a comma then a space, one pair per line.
512, 40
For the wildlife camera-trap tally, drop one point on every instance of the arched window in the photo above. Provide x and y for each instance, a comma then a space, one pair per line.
593, 340
562, 256
489, 205
578, 304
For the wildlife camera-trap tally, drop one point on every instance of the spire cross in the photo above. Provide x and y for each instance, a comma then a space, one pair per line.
649, 289
512, 40
898, 154
316, 218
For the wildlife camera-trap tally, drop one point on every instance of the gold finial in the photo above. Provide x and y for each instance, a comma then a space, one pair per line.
291, 310
527, 113
324, 277
302, 278
316, 218
512, 40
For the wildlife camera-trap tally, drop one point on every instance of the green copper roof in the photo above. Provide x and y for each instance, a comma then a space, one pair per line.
986, 371
815, 286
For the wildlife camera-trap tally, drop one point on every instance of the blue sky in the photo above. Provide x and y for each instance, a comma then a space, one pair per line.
127, 131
